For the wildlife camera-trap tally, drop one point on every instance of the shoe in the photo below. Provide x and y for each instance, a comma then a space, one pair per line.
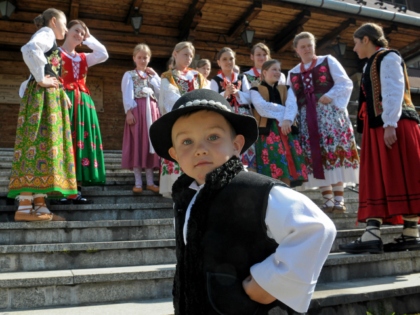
339, 207
137, 190
33, 216
325, 207
60, 202
403, 243
57, 218
359, 247
153, 188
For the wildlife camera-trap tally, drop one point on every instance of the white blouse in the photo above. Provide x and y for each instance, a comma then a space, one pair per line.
282, 79
341, 91
392, 89
244, 95
304, 235
33, 52
273, 110
127, 88
169, 93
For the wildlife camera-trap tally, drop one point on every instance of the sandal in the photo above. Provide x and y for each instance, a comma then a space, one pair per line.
339, 207
358, 247
54, 217
33, 216
325, 207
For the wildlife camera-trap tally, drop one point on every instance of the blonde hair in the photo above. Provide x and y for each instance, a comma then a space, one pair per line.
374, 32
263, 47
267, 65
140, 47
223, 50
46, 16
180, 46
202, 62
303, 35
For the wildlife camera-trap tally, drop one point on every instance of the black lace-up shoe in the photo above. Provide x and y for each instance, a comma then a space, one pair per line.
403, 243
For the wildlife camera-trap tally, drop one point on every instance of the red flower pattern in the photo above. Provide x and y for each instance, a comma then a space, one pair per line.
85, 162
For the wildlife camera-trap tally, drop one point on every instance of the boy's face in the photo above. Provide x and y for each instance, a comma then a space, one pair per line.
202, 142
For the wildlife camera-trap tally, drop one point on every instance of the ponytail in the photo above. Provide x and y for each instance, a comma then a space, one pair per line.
46, 16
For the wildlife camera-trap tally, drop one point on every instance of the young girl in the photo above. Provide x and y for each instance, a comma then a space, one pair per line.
235, 88
278, 151
43, 159
260, 53
140, 88
322, 89
204, 67
389, 182
87, 141
175, 83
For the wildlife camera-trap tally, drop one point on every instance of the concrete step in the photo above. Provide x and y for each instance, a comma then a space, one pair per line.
99, 212
18, 233
42, 257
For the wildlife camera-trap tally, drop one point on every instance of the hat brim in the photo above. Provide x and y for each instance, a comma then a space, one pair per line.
161, 129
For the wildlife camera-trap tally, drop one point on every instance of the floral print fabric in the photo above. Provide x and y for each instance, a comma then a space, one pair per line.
43, 159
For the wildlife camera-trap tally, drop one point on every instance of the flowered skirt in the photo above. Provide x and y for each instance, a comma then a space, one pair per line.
169, 173
340, 159
87, 141
43, 160
271, 156
249, 157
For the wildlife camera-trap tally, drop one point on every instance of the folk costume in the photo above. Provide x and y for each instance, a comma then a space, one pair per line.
235, 225
43, 160
241, 105
389, 188
327, 137
86, 134
140, 94
254, 74
174, 84
278, 155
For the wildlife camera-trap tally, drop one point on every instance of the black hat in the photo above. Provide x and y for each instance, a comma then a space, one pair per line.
161, 129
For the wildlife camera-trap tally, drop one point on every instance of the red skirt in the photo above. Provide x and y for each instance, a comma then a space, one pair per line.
390, 178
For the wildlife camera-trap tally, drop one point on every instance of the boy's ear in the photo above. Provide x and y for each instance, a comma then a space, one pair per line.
238, 144
173, 154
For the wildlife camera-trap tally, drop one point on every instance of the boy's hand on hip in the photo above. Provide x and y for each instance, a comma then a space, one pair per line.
255, 292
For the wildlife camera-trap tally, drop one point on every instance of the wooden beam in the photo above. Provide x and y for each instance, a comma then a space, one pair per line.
74, 10
410, 49
135, 4
283, 39
249, 15
192, 18
333, 34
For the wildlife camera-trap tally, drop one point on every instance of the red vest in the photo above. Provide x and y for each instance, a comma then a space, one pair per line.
69, 81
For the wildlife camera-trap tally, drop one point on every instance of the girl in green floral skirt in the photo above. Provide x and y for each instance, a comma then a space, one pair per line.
43, 159
279, 154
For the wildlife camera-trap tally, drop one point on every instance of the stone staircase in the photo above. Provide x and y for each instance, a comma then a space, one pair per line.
117, 256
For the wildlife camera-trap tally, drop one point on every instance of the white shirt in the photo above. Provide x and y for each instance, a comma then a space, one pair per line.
244, 97
392, 89
282, 80
341, 91
305, 235
127, 88
273, 110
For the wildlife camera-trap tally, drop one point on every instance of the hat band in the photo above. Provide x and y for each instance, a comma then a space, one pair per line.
206, 102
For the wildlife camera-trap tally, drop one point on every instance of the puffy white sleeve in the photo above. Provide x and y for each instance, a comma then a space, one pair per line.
341, 91
169, 94
245, 95
215, 87
127, 89
156, 81
392, 87
99, 51
267, 109
282, 80
305, 235
33, 52
291, 102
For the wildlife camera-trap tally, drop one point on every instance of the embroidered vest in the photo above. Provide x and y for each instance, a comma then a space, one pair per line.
73, 79
251, 78
53, 67
321, 79
372, 87
237, 84
139, 83
226, 235
184, 86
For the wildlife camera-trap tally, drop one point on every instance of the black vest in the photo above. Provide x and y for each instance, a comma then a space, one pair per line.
53, 67
226, 236
375, 122
236, 84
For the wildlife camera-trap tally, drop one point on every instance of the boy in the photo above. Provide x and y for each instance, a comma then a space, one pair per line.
243, 240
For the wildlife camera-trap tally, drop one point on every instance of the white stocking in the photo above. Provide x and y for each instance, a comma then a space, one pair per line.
149, 177
137, 175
